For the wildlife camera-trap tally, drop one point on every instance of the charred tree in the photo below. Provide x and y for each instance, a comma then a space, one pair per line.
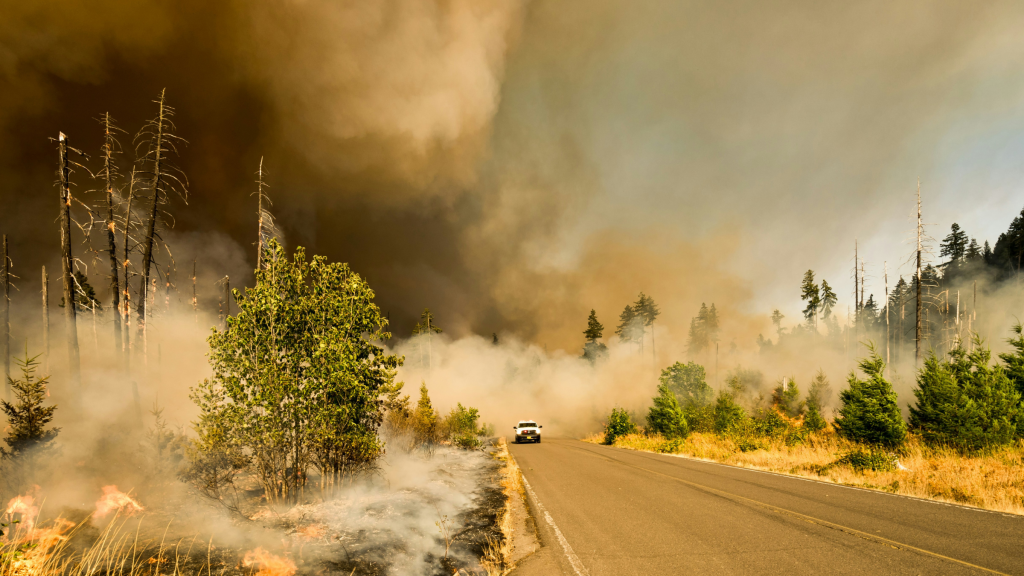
46, 321
158, 135
195, 303
126, 344
70, 324
917, 329
6, 329
109, 174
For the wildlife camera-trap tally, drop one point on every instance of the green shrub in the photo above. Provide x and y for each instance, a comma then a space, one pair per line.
619, 424
861, 460
673, 446
964, 403
700, 418
786, 398
870, 413
769, 423
666, 416
727, 413
814, 421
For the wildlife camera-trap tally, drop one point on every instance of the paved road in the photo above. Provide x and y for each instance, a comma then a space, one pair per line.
608, 511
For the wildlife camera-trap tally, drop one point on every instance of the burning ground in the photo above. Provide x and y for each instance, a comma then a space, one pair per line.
423, 513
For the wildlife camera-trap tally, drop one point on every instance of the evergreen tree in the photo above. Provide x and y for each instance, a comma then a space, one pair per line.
425, 417
85, 294
965, 403
954, 245
688, 382
699, 336
810, 293
870, 412
973, 251
813, 420
27, 418
592, 349
426, 324
1015, 360
777, 321
630, 328
711, 323
786, 398
986, 253
666, 416
828, 299
1008, 253
820, 392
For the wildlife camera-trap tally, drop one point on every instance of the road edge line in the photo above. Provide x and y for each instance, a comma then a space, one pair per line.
574, 560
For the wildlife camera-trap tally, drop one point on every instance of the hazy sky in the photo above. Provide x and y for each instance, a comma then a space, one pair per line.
514, 164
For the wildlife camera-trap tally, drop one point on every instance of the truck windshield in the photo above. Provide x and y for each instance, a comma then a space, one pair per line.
527, 425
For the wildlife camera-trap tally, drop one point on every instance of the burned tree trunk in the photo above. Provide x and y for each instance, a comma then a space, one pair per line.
917, 332
157, 150
6, 329
109, 172
70, 324
46, 321
126, 343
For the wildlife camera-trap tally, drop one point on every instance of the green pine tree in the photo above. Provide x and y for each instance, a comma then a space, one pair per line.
786, 398
964, 403
666, 416
592, 349
828, 299
28, 417
870, 412
954, 245
810, 293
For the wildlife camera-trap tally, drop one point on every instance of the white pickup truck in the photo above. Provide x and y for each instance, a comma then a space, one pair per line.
527, 431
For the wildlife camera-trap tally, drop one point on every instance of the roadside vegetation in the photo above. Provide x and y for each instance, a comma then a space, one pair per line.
963, 443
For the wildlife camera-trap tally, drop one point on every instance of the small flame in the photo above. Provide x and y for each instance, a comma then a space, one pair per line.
24, 505
269, 564
114, 499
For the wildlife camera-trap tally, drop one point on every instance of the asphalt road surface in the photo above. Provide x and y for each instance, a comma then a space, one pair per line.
608, 511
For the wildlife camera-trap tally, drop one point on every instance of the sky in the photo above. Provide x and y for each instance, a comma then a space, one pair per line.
514, 164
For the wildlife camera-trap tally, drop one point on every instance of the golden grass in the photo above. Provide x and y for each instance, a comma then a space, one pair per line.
497, 560
993, 481
118, 551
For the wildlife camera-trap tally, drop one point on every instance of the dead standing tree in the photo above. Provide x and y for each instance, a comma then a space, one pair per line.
6, 329
158, 138
109, 175
70, 324
46, 321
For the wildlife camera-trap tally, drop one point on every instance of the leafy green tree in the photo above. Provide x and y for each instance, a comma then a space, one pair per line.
619, 424
870, 412
462, 426
688, 383
786, 398
666, 416
703, 330
299, 378
592, 349
810, 293
828, 299
965, 403
28, 417
954, 245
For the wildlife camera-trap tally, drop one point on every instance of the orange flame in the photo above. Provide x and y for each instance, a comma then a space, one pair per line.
24, 505
114, 499
269, 564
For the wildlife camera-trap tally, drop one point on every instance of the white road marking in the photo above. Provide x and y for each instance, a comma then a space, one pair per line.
574, 560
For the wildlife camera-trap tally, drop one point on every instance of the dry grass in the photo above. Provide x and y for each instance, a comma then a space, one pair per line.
992, 481
498, 555
118, 551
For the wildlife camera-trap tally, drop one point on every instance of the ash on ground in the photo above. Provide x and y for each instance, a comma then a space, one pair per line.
394, 523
